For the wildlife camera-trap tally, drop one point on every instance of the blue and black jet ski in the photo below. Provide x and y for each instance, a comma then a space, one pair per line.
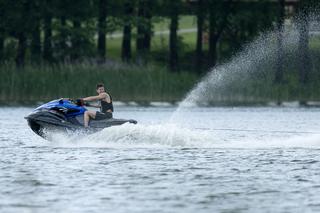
67, 116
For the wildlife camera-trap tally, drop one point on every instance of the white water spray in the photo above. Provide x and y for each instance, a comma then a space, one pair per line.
254, 67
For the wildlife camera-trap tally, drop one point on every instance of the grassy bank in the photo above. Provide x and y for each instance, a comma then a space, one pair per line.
145, 84
124, 82
155, 83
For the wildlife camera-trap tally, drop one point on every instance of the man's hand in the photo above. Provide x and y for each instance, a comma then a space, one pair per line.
79, 102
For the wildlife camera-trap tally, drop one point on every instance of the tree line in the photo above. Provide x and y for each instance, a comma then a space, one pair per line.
53, 31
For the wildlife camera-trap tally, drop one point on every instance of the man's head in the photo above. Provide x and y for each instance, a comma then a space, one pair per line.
100, 88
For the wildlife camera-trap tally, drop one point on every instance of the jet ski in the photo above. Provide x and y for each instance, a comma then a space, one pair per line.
66, 115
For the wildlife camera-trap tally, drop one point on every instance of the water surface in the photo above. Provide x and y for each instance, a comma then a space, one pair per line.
205, 160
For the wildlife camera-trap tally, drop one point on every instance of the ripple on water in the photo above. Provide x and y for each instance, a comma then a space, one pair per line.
153, 170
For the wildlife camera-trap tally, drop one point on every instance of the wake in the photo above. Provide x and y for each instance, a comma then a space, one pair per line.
173, 136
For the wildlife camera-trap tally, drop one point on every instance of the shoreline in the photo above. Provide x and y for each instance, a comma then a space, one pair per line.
164, 104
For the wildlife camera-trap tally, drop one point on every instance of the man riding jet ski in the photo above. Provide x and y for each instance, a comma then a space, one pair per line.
106, 105
67, 115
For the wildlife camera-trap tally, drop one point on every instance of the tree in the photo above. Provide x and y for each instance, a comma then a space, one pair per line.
144, 28
102, 28
2, 38
280, 52
148, 25
21, 51
126, 40
2, 30
17, 22
63, 34
81, 14
218, 20
200, 25
23, 23
245, 22
47, 44
75, 28
303, 53
36, 31
173, 40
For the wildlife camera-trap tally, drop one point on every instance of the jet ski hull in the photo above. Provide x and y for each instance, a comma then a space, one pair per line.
44, 121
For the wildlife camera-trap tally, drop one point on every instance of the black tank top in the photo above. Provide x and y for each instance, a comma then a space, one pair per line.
105, 106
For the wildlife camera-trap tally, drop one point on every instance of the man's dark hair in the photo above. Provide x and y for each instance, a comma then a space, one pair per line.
99, 85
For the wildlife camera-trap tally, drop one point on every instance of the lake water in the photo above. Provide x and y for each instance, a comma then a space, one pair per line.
206, 160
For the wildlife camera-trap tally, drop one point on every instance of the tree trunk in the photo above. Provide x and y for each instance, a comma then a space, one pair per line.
218, 21
76, 41
47, 46
1, 46
22, 46
147, 35
144, 30
140, 30
102, 28
126, 40
63, 33
200, 22
173, 42
213, 38
36, 42
280, 51
213, 52
126, 43
148, 26
35, 46
2, 32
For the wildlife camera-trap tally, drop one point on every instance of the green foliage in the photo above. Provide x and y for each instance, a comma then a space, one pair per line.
74, 37
67, 41
245, 23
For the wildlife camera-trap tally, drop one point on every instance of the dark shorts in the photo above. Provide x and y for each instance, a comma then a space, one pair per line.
102, 116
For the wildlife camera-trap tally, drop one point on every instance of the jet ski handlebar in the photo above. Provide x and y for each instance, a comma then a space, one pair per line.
79, 101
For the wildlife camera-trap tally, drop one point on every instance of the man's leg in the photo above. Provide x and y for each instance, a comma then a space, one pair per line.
87, 116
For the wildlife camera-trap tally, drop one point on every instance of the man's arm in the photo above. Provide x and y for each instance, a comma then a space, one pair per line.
108, 99
92, 105
95, 98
